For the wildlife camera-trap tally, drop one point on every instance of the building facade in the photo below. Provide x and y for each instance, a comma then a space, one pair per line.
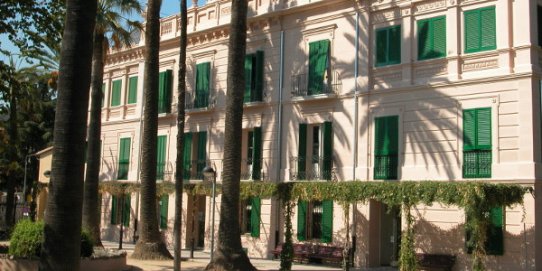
376, 91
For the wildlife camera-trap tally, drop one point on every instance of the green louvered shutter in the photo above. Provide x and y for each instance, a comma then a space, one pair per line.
258, 77
103, 94
424, 36
488, 29
469, 129
327, 221
113, 210
472, 31
126, 211
132, 90
248, 78
483, 133
327, 150
386, 147
124, 158
160, 156
257, 153
439, 37
202, 151
495, 233
255, 215
381, 47
394, 45
164, 202
432, 38
203, 71
318, 65
313, 62
164, 91
393, 135
187, 156
115, 93
302, 152
302, 220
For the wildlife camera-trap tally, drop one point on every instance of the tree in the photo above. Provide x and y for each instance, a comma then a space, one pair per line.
109, 29
179, 169
229, 254
62, 233
150, 244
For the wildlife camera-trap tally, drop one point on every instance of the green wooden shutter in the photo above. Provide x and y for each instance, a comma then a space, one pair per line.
255, 215
257, 153
113, 210
313, 62
472, 31
115, 93
327, 221
488, 29
439, 37
258, 76
103, 94
320, 68
432, 38
127, 209
160, 156
124, 158
203, 71
380, 133
424, 39
164, 202
327, 150
469, 129
381, 47
202, 151
392, 143
483, 129
386, 147
394, 45
302, 220
495, 233
164, 91
187, 156
132, 90
302, 152
248, 78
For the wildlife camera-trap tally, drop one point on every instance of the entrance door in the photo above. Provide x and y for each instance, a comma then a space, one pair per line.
390, 234
195, 228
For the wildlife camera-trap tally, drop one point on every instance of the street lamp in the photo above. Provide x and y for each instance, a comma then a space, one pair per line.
210, 174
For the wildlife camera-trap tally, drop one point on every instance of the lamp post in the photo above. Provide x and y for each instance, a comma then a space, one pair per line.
27, 157
210, 174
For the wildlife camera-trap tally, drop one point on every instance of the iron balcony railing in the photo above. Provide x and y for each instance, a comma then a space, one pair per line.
247, 169
385, 167
317, 168
301, 86
477, 164
199, 101
193, 169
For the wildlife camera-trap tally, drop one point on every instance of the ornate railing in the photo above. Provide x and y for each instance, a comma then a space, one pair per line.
199, 101
247, 169
385, 167
301, 87
319, 169
477, 164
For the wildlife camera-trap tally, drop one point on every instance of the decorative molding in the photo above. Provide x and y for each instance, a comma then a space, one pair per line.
204, 54
430, 6
328, 29
480, 64
424, 70
386, 15
167, 63
225, 11
117, 57
133, 69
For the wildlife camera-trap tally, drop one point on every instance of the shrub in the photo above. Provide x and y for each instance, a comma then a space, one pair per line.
87, 243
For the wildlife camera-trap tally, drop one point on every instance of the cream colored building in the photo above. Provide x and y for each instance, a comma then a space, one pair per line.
375, 90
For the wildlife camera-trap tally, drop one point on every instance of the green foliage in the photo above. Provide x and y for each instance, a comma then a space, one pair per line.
87, 243
26, 239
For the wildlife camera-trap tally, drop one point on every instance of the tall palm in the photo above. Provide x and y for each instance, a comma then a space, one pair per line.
150, 244
179, 169
62, 236
230, 255
112, 27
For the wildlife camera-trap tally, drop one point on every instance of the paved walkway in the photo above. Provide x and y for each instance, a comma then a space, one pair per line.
201, 259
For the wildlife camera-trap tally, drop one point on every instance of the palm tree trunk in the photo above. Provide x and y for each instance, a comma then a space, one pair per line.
179, 169
13, 143
150, 244
91, 206
62, 235
229, 254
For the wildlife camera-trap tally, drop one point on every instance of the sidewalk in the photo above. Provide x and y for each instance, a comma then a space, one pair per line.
201, 259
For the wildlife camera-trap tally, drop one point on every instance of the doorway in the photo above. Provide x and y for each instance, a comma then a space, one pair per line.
195, 228
390, 234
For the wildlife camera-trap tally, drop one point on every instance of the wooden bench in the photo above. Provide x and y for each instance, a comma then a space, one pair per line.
328, 254
435, 262
313, 253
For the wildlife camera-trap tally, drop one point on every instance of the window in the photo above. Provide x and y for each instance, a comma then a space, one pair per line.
494, 244
132, 90
480, 30
250, 216
319, 67
254, 77
388, 46
477, 156
432, 38
124, 158
252, 165
195, 157
319, 166
160, 156
164, 202
115, 93
120, 209
164, 91
103, 94
203, 73
386, 147
315, 220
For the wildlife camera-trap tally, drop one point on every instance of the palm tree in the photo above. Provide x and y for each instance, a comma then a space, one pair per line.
62, 236
229, 254
109, 28
179, 169
150, 244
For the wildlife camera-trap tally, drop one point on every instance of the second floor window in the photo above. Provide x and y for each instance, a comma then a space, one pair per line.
388, 46
315, 152
254, 77
432, 38
195, 158
203, 79
477, 156
115, 92
386, 148
160, 156
319, 68
165, 86
124, 159
132, 90
480, 30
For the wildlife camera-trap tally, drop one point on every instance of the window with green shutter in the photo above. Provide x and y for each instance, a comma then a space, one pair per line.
386, 148
114, 212
255, 215
256, 155
203, 78
120, 210
115, 92
388, 46
187, 156
302, 220
432, 38
124, 158
132, 90
126, 210
201, 153
480, 30
494, 244
477, 157
165, 86
327, 152
327, 221
318, 67
164, 202
315, 220
160, 156
254, 77
302, 152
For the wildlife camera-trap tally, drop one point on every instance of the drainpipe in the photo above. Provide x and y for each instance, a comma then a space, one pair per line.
279, 166
355, 136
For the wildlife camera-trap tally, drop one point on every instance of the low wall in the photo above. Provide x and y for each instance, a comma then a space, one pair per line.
115, 263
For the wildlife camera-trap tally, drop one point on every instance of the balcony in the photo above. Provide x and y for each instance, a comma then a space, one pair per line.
332, 85
316, 168
193, 169
247, 169
199, 102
